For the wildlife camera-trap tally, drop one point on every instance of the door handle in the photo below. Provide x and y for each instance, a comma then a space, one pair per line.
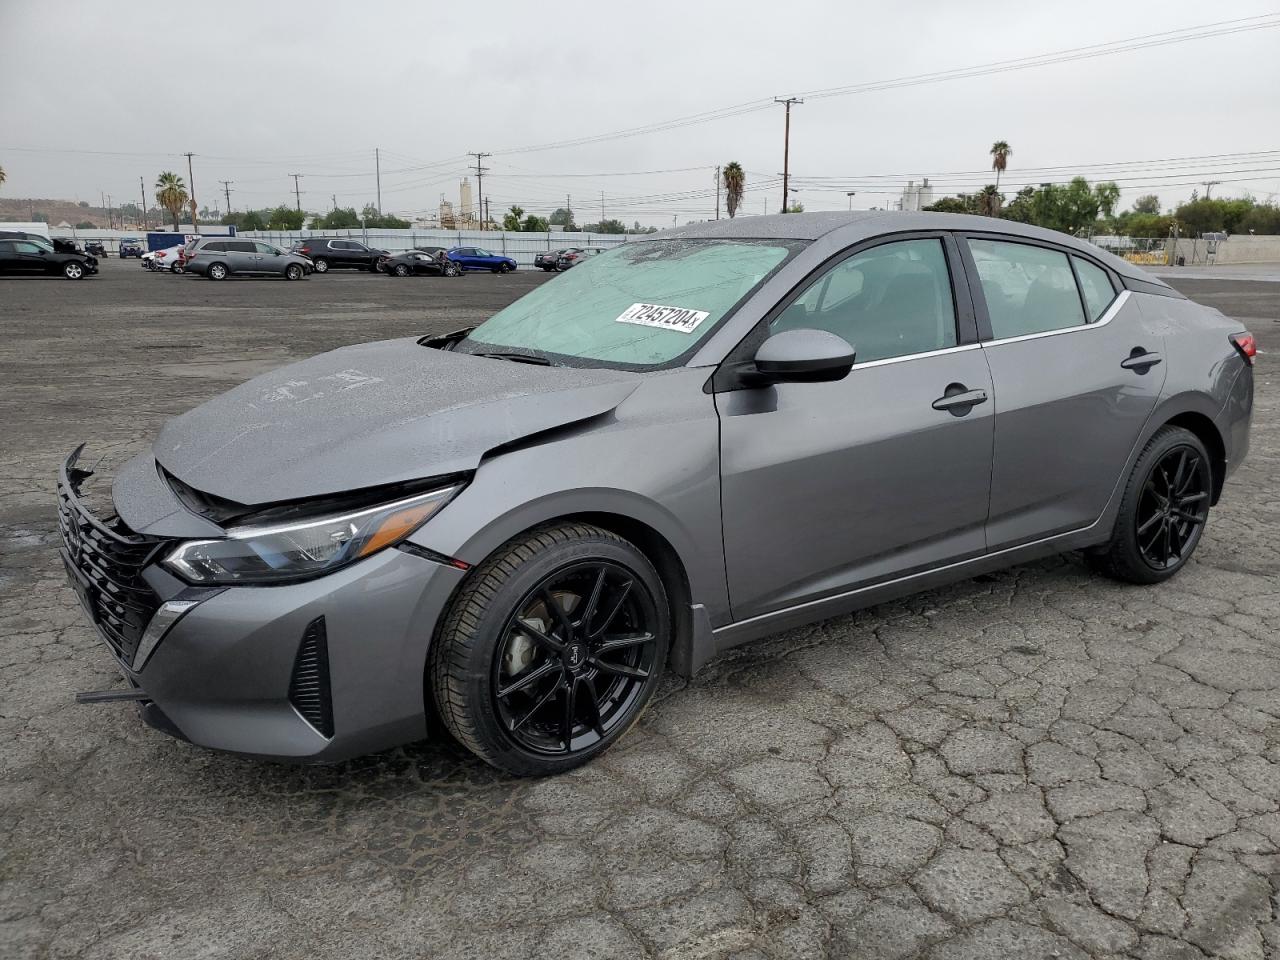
959, 399
1140, 360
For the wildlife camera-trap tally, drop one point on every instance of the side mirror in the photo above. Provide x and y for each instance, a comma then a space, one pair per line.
803, 356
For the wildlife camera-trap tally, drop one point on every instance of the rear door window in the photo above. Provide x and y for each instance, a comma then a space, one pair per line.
1095, 285
1028, 289
241, 246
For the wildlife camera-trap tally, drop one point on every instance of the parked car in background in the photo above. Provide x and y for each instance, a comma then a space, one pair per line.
37, 255
548, 261
168, 259
130, 247
220, 257
60, 244
476, 258
95, 248
328, 253
574, 256
422, 260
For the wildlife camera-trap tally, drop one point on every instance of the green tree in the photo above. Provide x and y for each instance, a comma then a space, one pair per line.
286, 218
534, 224
340, 218
735, 185
171, 193
86, 225
39, 217
1148, 225
1108, 195
253, 220
1000, 154
796, 207
1147, 203
562, 217
989, 201
1263, 219
1019, 208
511, 219
606, 226
962, 203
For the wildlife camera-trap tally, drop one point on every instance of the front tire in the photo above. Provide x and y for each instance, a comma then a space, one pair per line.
72, 270
401, 270
293, 271
322, 265
551, 650
1164, 510
505, 268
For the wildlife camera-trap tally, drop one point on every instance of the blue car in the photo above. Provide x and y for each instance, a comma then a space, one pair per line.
474, 258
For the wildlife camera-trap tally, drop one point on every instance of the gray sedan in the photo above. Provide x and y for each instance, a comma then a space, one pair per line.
690, 441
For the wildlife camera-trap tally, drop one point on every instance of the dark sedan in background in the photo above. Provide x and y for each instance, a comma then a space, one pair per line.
422, 260
548, 261
573, 256
37, 255
476, 258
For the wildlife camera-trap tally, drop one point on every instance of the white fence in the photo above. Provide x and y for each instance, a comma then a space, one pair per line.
522, 247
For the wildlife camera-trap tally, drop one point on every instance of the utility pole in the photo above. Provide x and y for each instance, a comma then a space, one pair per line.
143, 187
717, 192
568, 211
191, 179
226, 188
480, 184
377, 168
602, 206
297, 193
786, 146
334, 197
1208, 186
851, 194
486, 209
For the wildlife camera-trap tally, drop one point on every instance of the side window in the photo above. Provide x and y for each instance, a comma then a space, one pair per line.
25, 246
6, 246
1028, 289
241, 246
216, 246
1095, 284
890, 301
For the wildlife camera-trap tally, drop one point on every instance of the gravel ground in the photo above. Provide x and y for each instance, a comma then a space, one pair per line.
1036, 763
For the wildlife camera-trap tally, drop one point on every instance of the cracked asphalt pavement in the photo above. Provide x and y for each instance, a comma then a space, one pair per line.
1035, 763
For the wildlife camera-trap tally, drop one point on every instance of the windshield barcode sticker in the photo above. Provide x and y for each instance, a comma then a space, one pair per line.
680, 319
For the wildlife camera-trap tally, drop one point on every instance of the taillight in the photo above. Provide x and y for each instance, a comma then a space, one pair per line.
1245, 345
305, 251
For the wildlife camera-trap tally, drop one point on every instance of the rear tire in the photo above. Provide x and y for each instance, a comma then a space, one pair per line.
217, 271
539, 705
177, 268
1163, 512
322, 265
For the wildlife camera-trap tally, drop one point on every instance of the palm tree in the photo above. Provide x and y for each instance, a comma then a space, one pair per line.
990, 201
735, 184
171, 193
1000, 154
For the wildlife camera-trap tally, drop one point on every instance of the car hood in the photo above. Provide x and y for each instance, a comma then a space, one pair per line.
373, 414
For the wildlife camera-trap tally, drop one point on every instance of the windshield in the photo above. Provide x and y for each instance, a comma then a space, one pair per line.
640, 304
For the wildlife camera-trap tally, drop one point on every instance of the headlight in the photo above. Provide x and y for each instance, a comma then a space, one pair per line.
295, 551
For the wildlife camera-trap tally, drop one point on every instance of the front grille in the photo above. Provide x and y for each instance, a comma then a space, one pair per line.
105, 560
309, 684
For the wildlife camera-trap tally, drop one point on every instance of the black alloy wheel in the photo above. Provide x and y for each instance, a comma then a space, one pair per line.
1163, 511
1173, 507
574, 656
551, 649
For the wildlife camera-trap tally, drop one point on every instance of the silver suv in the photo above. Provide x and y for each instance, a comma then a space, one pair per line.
219, 257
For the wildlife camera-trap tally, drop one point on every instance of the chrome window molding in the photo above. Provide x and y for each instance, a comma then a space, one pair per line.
1116, 305
959, 348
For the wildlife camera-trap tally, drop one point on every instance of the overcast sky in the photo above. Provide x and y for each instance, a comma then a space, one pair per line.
97, 94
